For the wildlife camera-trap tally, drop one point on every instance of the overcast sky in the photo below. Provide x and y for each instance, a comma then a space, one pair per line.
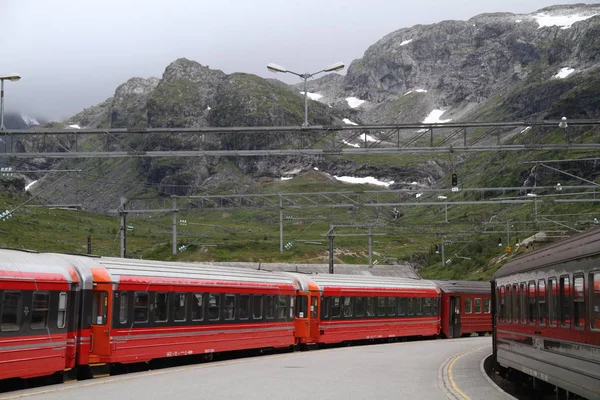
72, 54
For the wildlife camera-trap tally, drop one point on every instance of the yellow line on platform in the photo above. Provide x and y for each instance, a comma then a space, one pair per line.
450, 375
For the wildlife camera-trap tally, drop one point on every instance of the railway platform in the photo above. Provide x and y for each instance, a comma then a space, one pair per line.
426, 369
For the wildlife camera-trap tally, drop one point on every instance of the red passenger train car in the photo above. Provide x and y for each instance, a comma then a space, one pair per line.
547, 317
37, 337
345, 308
465, 308
146, 310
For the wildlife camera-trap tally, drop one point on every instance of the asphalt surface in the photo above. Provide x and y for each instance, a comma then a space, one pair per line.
434, 369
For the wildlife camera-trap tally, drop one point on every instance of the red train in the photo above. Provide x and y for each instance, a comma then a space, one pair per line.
547, 317
466, 308
84, 315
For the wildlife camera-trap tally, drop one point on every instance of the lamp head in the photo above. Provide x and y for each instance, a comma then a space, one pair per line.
11, 77
276, 68
335, 67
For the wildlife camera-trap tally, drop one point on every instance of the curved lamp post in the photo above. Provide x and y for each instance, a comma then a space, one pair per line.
278, 68
9, 77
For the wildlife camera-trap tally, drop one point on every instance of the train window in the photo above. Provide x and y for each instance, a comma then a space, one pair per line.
523, 305
347, 307
381, 306
123, 307
214, 306
229, 308
418, 304
180, 307
552, 302
468, 306
140, 307
508, 303
325, 307
161, 307
61, 319
595, 298
486, 306
302, 307
257, 306
12, 304
292, 300
502, 307
244, 306
477, 306
410, 307
270, 307
391, 302
531, 302
434, 307
516, 300
40, 308
401, 306
282, 307
579, 302
565, 301
427, 306
359, 306
198, 307
314, 307
371, 307
336, 310
542, 305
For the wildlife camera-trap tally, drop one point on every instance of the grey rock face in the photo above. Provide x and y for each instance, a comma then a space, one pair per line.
128, 108
184, 95
460, 62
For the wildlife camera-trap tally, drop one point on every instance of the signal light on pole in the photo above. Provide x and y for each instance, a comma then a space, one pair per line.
454, 180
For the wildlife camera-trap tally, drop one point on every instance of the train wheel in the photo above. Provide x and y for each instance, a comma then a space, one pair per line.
207, 357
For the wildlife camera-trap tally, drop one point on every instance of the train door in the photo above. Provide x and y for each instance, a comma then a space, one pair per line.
314, 314
302, 317
455, 312
100, 326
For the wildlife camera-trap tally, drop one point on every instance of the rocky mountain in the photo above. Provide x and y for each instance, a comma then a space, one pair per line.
460, 66
502, 66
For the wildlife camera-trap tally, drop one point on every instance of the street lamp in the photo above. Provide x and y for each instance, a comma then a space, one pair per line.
278, 68
10, 77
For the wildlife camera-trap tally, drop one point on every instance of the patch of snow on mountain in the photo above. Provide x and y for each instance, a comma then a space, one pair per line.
29, 185
367, 180
518, 20
564, 21
29, 120
434, 117
74, 126
416, 90
368, 138
286, 178
350, 144
313, 96
404, 43
564, 72
354, 102
525, 129
207, 108
316, 169
348, 122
